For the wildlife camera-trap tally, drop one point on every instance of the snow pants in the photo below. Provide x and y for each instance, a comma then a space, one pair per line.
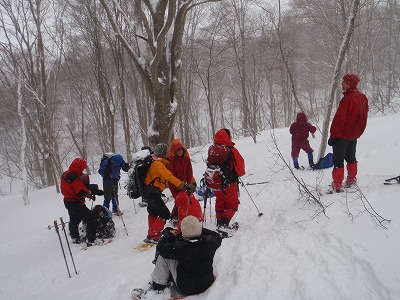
78, 212
163, 268
158, 211
227, 202
111, 194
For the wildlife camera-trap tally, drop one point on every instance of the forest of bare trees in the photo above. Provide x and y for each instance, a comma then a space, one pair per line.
83, 77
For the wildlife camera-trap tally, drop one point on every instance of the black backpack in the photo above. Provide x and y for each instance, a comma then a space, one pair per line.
106, 167
140, 166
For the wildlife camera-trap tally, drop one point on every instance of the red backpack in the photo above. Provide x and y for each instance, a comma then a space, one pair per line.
219, 175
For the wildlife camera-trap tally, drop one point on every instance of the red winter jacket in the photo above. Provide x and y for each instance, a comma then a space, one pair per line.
222, 138
301, 128
72, 187
351, 116
180, 167
187, 207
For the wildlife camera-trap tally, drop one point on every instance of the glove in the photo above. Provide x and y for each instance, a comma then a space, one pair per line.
183, 186
166, 230
191, 188
331, 141
125, 167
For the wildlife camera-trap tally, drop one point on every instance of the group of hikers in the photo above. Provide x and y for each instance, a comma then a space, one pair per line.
186, 252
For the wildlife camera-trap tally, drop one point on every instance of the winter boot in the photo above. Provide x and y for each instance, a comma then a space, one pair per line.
296, 162
310, 159
351, 174
157, 287
337, 176
77, 240
223, 222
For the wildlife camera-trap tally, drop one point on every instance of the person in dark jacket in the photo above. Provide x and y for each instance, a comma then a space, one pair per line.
188, 258
110, 170
74, 192
347, 126
299, 131
227, 201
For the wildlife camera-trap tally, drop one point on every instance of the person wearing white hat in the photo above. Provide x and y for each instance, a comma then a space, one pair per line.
188, 258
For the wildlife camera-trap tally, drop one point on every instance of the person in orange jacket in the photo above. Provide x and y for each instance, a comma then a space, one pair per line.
155, 182
227, 201
181, 167
347, 126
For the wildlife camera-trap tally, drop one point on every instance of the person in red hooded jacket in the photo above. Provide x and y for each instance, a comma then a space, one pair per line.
299, 131
227, 201
347, 126
74, 192
181, 167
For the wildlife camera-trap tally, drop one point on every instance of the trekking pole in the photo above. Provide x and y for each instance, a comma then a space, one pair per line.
259, 213
62, 247
255, 183
397, 178
69, 248
115, 195
205, 196
122, 219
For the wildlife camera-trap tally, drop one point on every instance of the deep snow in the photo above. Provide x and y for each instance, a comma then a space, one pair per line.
289, 253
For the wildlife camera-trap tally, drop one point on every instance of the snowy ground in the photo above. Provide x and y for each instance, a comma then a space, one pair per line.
291, 252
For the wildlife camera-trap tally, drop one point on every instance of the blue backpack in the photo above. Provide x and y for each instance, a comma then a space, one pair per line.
324, 163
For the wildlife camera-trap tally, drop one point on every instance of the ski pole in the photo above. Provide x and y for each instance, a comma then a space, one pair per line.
122, 219
69, 248
115, 195
134, 206
205, 196
62, 247
259, 213
393, 178
255, 183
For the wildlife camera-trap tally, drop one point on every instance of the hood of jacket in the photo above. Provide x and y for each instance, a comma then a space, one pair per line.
222, 138
78, 165
301, 118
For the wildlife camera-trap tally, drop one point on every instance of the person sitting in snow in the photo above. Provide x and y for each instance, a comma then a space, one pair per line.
74, 192
299, 131
188, 258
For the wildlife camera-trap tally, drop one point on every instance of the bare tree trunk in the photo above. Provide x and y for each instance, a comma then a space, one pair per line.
336, 76
25, 196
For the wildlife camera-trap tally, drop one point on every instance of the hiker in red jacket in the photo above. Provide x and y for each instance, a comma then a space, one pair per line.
74, 192
227, 201
347, 126
299, 131
180, 166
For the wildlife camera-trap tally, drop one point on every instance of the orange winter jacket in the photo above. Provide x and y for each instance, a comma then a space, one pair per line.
158, 174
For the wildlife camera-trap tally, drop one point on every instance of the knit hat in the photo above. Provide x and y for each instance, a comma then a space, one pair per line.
351, 79
190, 227
160, 150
